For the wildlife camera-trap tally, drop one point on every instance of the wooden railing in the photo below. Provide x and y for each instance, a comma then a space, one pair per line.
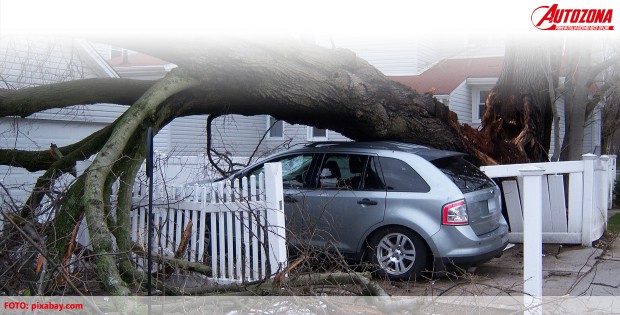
575, 197
541, 210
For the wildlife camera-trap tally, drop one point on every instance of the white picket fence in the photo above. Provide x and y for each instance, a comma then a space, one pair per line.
237, 228
579, 217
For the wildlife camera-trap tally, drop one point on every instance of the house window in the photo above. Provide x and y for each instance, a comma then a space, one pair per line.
479, 97
277, 128
317, 134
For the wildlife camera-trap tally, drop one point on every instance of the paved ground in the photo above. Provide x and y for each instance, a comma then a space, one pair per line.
567, 270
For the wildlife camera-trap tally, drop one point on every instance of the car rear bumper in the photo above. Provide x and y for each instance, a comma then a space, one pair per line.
467, 248
469, 261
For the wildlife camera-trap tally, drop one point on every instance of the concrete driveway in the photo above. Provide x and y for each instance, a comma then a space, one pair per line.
567, 270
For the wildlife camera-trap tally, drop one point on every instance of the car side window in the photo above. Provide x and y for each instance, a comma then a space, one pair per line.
349, 171
400, 176
295, 170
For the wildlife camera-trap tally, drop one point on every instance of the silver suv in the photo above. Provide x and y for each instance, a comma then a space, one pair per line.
404, 208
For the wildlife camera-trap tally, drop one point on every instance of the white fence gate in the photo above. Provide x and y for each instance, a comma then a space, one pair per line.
236, 228
576, 216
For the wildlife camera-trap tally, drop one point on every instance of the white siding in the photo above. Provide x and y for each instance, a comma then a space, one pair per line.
460, 103
35, 134
560, 108
97, 113
239, 135
591, 134
188, 136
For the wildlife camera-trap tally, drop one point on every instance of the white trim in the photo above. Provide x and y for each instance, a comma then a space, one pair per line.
311, 137
477, 85
443, 98
481, 81
100, 66
268, 124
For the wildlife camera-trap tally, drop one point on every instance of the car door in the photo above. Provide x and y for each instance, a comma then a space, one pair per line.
297, 181
348, 200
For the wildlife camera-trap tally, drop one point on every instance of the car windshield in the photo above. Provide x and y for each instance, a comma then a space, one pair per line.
294, 170
465, 175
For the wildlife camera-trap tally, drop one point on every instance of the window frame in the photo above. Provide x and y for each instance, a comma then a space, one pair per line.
478, 85
268, 123
311, 137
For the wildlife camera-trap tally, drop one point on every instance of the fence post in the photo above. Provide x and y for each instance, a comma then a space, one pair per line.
604, 180
612, 180
532, 232
588, 199
274, 197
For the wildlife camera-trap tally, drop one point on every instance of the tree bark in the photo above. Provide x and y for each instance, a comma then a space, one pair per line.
97, 173
25, 102
518, 114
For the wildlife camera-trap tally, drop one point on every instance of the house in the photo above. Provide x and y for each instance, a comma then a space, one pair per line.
460, 83
463, 84
27, 62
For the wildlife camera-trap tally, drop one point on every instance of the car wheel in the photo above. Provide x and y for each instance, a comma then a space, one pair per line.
399, 253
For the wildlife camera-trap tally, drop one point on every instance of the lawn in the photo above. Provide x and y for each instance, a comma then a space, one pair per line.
613, 224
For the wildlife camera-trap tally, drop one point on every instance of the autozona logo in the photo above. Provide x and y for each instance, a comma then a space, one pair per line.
555, 18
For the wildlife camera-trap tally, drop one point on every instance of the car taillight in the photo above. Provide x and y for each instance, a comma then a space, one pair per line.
455, 213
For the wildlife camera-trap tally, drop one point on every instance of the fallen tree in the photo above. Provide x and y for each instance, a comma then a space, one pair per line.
289, 80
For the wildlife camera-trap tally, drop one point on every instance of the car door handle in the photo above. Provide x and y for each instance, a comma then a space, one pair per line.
367, 202
289, 198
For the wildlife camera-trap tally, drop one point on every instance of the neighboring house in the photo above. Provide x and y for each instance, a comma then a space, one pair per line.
464, 83
36, 61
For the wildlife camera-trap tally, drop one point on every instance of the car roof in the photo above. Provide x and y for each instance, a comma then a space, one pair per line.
426, 153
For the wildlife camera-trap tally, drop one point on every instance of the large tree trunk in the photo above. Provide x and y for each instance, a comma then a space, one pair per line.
518, 116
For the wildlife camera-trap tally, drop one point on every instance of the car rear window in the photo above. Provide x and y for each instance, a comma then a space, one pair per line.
399, 176
465, 175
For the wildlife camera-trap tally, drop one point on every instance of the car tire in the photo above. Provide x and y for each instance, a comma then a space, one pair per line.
398, 253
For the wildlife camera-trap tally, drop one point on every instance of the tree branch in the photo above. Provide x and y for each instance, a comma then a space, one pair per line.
98, 172
34, 161
25, 102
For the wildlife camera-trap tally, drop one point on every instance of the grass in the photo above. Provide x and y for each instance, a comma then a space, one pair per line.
613, 224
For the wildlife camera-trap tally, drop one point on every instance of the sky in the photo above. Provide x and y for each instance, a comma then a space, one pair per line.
435, 18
